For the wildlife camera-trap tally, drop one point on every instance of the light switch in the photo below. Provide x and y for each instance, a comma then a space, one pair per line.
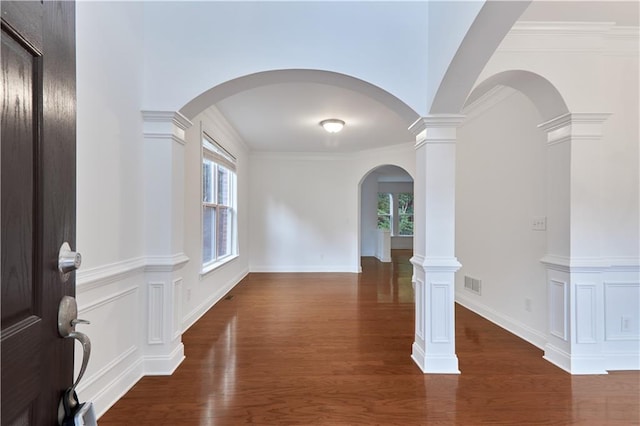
539, 223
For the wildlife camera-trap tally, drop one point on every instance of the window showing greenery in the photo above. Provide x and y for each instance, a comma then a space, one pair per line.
405, 213
218, 204
384, 211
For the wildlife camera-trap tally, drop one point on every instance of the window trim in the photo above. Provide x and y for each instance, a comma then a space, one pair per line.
400, 215
390, 215
212, 151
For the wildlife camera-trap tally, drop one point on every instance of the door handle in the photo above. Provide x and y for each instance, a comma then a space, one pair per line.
67, 321
68, 261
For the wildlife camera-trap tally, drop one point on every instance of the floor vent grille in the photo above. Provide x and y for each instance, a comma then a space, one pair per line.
474, 285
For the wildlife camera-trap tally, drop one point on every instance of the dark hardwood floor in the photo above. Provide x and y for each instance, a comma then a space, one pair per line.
334, 349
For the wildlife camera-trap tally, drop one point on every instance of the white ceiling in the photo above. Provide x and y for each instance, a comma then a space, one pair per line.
285, 117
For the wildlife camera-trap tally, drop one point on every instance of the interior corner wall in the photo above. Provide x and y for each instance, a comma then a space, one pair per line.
109, 196
500, 188
305, 215
304, 218
201, 291
369, 215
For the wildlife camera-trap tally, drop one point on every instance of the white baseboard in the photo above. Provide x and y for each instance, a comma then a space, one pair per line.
622, 361
164, 365
513, 326
208, 303
434, 364
575, 364
297, 268
107, 386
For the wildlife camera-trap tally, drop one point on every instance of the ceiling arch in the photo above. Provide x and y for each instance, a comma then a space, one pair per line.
251, 81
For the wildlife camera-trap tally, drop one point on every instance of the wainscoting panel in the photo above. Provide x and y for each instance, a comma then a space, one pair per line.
440, 308
622, 311
156, 313
586, 314
558, 309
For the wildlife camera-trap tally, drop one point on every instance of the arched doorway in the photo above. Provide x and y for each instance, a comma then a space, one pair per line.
386, 212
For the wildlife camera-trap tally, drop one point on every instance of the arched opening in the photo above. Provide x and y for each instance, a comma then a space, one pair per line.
386, 212
510, 211
299, 181
241, 84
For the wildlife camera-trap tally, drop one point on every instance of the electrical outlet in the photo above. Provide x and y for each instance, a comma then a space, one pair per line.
527, 305
539, 223
625, 324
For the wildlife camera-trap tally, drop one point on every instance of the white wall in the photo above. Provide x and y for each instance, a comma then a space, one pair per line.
305, 214
595, 172
109, 195
606, 61
200, 292
305, 208
500, 188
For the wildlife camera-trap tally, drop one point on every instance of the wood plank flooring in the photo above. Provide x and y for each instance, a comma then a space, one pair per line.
334, 349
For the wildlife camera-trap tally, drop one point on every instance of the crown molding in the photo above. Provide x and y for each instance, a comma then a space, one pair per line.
487, 101
560, 28
570, 37
216, 124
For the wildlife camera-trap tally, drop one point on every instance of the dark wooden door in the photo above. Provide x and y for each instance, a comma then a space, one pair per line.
37, 176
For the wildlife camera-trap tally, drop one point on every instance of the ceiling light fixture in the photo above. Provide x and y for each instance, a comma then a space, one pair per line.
332, 125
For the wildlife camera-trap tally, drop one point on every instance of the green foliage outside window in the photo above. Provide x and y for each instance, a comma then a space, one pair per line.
405, 214
384, 211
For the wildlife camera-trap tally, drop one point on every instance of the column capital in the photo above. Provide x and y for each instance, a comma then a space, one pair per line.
436, 121
436, 129
165, 124
574, 126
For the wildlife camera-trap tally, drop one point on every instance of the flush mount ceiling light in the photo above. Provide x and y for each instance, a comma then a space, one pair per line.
332, 125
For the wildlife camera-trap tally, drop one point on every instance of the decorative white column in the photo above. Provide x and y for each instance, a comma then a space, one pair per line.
574, 261
164, 139
434, 258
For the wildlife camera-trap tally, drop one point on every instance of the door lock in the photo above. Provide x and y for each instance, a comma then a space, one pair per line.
68, 261
67, 321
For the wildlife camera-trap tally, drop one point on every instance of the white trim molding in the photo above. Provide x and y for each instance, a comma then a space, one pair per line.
164, 365
89, 279
557, 36
166, 263
574, 126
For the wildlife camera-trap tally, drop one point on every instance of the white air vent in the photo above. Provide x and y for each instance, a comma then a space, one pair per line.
474, 285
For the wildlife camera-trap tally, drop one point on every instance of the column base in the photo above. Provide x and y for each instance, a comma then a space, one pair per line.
164, 365
434, 364
574, 364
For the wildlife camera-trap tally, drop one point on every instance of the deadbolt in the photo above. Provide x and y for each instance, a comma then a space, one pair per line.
68, 261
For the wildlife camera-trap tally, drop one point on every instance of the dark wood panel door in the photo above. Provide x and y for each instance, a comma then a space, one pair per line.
37, 188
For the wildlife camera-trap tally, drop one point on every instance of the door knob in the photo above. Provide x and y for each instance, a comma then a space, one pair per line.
68, 261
